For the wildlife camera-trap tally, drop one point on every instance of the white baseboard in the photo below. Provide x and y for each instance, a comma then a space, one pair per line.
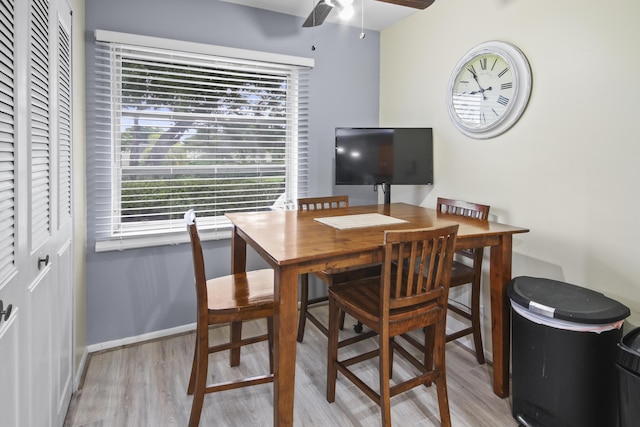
93, 348
80, 370
140, 338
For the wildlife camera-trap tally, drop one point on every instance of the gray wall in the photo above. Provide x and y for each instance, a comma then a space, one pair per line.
140, 291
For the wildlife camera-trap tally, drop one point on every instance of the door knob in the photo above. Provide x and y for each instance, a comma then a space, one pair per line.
5, 313
44, 261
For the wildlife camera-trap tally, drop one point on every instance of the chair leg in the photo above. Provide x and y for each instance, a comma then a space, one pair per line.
332, 350
385, 373
201, 366
441, 380
304, 300
390, 358
194, 367
270, 339
342, 314
475, 319
236, 336
429, 340
443, 402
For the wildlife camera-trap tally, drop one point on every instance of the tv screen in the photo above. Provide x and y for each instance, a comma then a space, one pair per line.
370, 156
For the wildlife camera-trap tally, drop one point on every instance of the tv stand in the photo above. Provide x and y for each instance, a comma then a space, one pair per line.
386, 189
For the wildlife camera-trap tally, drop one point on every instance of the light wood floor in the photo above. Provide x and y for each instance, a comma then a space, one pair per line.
145, 385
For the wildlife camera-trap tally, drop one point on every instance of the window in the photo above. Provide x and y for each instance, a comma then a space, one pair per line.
182, 127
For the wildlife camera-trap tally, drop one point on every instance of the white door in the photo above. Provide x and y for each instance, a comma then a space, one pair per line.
12, 293
35, 215
62, 289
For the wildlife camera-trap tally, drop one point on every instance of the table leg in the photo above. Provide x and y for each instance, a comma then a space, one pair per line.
500, 274
238, 264
284, 352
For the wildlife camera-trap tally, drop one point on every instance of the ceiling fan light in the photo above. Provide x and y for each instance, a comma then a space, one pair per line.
347, 12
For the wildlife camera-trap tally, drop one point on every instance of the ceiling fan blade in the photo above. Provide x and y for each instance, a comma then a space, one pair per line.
318, 14
416, 4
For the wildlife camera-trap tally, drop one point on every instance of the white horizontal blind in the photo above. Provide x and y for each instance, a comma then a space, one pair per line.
180, 130
7, 140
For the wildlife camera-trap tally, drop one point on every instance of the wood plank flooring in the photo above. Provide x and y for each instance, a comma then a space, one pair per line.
145, 385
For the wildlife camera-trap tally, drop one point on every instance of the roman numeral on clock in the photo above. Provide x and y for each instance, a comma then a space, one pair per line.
503, 72
502, 100
504, 86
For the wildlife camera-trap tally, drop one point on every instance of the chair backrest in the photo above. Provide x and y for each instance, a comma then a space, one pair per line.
417, 266
198, 260
459, 207
318, 203
467, 209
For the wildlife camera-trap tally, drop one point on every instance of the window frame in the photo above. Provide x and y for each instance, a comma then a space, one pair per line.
118, 235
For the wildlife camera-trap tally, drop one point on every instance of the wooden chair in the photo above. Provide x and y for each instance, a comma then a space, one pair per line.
328, 276
463, 274
397, 302
228, 299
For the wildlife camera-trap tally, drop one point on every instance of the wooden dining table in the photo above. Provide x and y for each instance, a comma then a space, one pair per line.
295, 242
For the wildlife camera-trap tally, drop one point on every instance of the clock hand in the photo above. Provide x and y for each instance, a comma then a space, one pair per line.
481, 91
475, 77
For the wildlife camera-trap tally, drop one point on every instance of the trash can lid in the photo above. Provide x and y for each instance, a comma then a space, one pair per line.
565, 301
629, 351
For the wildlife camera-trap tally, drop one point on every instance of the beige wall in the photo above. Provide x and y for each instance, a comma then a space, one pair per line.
569, 169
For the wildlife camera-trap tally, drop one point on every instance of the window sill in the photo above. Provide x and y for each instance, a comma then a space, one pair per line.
175, 238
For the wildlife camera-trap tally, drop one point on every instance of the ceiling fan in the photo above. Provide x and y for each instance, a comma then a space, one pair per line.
323, 7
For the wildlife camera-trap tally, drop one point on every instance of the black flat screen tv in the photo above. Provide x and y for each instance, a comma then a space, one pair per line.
372, 156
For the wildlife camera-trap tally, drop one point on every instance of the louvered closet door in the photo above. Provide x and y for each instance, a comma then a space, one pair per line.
49, 297
35, 219
41, 258
11, 326
62, 298
35, 212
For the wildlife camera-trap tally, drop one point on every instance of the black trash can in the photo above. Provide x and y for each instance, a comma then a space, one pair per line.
564, 344
628, 365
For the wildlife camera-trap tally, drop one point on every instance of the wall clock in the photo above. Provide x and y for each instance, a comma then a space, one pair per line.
489, 89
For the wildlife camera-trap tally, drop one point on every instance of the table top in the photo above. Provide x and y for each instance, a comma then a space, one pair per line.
289, 237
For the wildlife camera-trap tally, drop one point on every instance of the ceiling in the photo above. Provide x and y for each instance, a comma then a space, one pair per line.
377, 15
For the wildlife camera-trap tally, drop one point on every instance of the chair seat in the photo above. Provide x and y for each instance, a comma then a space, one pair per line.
461, 274
240, 293
362, 297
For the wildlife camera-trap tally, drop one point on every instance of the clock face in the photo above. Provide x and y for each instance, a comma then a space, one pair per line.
489, 89
482, 90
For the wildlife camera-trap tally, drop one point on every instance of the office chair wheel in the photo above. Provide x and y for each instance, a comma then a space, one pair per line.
358, 328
